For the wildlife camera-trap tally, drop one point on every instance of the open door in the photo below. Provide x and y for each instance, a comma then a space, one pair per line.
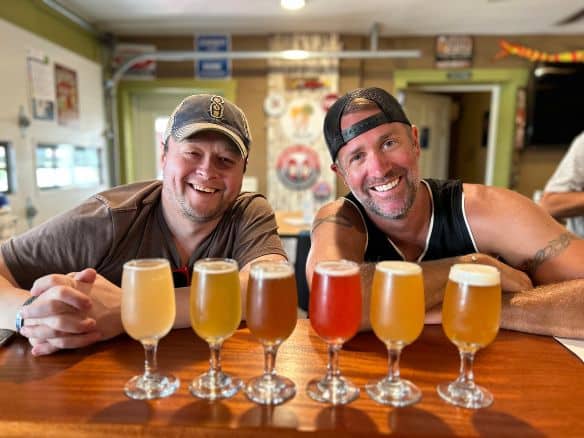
431, 114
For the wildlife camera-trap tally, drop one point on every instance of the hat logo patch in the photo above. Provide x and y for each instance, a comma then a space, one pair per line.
216, 107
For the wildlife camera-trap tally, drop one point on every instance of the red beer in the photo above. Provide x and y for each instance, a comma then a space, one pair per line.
335, 300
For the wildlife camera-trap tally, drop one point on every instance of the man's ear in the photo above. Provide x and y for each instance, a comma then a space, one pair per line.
335, 168
415, 139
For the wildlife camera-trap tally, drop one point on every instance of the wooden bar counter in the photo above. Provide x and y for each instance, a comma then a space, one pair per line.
538, 387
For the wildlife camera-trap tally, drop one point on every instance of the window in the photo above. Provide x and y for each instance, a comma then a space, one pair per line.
5, 169
64, 165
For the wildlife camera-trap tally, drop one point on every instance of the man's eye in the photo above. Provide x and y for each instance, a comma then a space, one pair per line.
388, 143
356, 157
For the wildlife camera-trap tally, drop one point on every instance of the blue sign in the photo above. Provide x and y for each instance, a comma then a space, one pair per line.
213, 68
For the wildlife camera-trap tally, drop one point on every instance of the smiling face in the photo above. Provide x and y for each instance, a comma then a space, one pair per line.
380, 166
202, 176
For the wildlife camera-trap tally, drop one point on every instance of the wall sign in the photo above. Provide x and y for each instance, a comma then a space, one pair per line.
454, 51
213, 68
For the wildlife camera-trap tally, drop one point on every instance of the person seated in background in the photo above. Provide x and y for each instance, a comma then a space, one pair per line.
393, 214
72, 264
563, 195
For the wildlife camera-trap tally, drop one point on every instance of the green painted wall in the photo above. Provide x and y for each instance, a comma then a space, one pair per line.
36, 17
509, 81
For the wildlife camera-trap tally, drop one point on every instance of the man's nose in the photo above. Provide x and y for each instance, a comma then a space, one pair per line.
378, 164
206, 167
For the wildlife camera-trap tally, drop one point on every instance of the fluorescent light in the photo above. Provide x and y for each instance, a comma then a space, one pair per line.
294, 54
292, 5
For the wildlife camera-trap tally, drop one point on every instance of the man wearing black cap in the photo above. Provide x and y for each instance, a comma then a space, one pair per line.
393, 214
197, 211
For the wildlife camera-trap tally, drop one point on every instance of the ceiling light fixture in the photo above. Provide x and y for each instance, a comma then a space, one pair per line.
292, 5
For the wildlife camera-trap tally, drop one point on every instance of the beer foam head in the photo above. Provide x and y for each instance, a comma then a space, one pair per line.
215, 266
399, 268
147, 264
337, 268
271, 269
475, 274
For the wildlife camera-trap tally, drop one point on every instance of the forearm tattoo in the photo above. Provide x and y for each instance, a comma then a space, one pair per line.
552, 249
335, 219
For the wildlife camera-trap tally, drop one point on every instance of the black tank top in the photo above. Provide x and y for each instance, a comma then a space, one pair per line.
449, 233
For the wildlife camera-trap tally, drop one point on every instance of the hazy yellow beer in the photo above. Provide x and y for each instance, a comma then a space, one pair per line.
471, 309
215, 299
148, 302
397, 302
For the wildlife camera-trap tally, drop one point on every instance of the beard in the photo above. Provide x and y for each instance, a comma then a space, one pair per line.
194, 214
412, 182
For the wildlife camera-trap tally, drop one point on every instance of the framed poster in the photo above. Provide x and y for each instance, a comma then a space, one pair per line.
67, 92
454, 51
41, 82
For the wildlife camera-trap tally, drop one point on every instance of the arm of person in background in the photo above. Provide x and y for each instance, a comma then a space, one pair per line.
338, 232
563, 205
563, 196
511, 226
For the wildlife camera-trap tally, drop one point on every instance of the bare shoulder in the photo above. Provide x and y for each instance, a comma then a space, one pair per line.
507, 224
339, 213
338, 232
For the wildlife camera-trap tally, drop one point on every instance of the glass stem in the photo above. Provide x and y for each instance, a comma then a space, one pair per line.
393, 355
466, 376
270, 352
150, 363
215, 359
332, 368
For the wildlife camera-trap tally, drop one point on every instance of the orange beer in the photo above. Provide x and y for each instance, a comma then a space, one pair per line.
271, 301
471, 310
397, 302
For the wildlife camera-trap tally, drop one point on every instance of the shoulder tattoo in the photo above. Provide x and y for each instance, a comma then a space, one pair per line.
552, 249
335, 219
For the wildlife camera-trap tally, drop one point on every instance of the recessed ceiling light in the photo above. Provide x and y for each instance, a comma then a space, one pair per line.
292, 5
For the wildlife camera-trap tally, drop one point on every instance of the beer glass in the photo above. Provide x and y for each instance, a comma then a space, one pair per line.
148, 312
215, 312
335, 315
271, 317
397, 318
471, 313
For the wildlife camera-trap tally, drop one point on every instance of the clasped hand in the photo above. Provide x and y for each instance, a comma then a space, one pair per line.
71, 311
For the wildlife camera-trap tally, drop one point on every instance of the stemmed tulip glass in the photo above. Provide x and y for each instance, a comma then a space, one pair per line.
272, 303
335, 315
397, 318
471, 313
148, 312
215, 314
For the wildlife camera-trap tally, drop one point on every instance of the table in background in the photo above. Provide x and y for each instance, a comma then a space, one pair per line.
291, 223
538, 387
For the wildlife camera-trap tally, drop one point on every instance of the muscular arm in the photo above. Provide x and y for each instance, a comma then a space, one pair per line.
562, 205
511, 226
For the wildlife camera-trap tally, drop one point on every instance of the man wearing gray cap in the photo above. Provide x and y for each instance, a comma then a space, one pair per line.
393, 214
72, 264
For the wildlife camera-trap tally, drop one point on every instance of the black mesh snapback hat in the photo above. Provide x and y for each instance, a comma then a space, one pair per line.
391, 111
206, 112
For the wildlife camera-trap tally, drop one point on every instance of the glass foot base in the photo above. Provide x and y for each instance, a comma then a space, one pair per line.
333, 390
215, 386
398, 393
270, 390
151, 387
465, 395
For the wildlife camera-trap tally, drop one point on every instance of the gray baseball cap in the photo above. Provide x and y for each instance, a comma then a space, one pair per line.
207, 112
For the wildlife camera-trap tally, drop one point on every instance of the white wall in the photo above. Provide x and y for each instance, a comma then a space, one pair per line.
14, 91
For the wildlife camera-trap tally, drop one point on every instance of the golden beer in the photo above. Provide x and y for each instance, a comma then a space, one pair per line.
471, 310
148, 302
397, 302
215, 299
271, 301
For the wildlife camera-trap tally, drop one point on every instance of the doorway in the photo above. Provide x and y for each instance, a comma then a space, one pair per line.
457, 129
